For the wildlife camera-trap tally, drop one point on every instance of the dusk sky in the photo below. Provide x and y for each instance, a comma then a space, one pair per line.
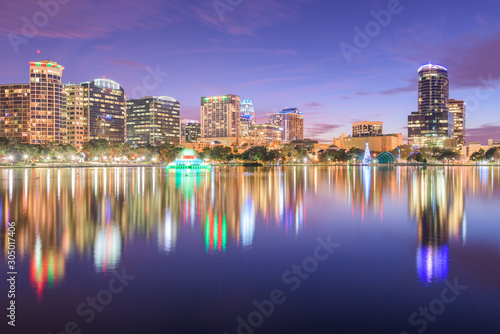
277, 53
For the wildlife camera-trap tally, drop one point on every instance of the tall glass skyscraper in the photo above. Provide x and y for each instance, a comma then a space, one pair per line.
291, 122
247, 116
104, 110
432, 125
457, 108
153, 120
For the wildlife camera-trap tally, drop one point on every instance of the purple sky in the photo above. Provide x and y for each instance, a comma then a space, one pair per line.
279, 53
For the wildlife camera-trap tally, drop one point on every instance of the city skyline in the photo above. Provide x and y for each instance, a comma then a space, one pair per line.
274, 61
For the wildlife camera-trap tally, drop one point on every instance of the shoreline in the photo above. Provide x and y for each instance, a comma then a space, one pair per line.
241, 165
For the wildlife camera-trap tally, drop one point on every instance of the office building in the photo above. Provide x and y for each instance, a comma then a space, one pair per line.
432, 124
153, 121
247, 116
291, 121
220, 118
378, 144
47, 121
263, 135
75, 125
457, 108
365, 128
104, 110
15, 111
190, 131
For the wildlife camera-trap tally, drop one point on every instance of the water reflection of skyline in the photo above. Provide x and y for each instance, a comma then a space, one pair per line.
73, 214
70, 214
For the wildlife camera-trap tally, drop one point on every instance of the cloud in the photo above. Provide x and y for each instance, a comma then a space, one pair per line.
86, 18
470, 58
273, 52
410, 87
483, 133
318, 129
313, 106
96, 18
248, 17
127, 63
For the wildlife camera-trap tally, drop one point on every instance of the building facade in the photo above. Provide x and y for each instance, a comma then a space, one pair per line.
75, 124
291, 121
457, 108
153, 121
247, 116
263, 135
15, 111
432, 124
378, 144
366, 128
47, 121
190, 131
104, 110
220, 117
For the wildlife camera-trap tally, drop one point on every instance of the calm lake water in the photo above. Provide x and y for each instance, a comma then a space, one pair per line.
271, 250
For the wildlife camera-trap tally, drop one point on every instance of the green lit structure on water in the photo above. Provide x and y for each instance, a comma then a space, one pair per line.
188, 161
385, 158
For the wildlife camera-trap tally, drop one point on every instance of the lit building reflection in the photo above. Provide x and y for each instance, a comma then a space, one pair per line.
363, 188
107, 248
247, 223
215, 233
47, 268
436, 202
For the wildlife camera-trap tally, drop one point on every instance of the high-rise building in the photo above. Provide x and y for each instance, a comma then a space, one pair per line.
153, 121
75, 125
457, 108
190, 131
432, 125
220, 118
263, 135
291, 121
247, 116
104, 110
15, 111
47, 114
366, 129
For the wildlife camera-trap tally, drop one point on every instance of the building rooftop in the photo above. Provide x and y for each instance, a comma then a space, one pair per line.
290, 111
46, 63
432, 67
